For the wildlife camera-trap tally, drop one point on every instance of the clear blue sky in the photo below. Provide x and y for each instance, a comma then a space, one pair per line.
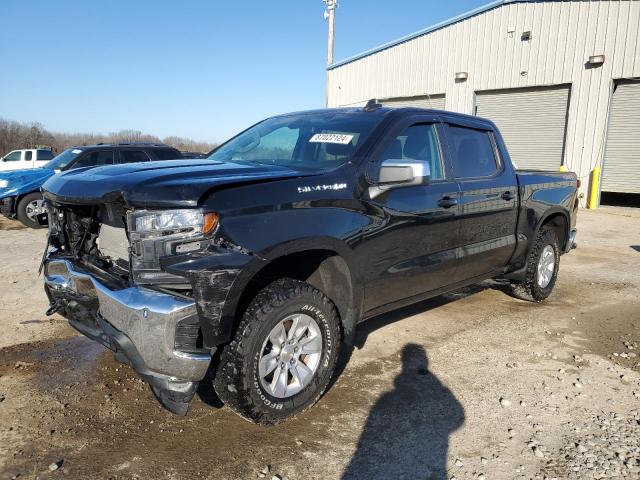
197, 68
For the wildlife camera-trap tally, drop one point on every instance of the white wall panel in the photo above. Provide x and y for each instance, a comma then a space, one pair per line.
426, 101
564, 35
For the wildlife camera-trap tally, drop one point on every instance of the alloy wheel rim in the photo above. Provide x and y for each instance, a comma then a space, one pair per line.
290, 355
34, 208
546, 266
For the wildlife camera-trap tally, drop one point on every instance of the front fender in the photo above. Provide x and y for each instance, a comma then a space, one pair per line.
218, 277
221, 275
22, 189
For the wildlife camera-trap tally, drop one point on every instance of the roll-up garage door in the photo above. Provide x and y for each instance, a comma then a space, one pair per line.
423, 101
621, 172
533, 123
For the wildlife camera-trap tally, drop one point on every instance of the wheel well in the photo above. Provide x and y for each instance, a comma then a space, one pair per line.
324, 269
559, 223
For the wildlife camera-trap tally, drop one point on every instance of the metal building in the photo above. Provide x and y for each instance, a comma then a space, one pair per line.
560, 78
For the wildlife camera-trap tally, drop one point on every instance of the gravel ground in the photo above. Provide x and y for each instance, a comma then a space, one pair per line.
470, 385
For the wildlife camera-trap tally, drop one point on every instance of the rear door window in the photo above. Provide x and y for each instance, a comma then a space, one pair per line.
473, 152
166, 153
28, 155
133, 156
44, 155
95, 159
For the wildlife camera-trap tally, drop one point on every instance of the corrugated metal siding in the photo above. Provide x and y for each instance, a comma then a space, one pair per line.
564, 35
621, 171
423, 101
532, 121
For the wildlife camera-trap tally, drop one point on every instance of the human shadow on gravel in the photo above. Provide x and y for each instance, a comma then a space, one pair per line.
406, 434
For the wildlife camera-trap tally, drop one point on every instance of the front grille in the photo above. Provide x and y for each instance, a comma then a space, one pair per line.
75, 230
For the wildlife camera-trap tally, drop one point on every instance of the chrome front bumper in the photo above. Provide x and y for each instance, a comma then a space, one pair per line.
140, 321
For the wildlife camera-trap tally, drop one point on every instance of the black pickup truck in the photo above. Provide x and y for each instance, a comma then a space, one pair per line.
252, 268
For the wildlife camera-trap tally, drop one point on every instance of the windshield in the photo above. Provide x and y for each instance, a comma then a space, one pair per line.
316, 141
64, 159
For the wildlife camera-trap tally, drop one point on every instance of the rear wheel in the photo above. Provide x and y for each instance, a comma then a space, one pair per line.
28, 209
283, 354
542, 267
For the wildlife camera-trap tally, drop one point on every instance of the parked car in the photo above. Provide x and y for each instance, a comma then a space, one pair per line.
20, 195
264, 258
28, 158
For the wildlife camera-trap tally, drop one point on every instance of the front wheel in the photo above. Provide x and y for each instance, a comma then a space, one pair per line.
28, 209
542, 267
283, 354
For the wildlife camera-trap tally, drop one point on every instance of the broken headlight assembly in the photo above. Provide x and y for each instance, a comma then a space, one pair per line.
160, 233
169, 222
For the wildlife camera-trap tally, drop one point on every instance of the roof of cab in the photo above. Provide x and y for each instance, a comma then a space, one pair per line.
124, 144
392, 111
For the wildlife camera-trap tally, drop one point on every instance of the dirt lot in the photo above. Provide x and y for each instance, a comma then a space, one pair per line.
474, 385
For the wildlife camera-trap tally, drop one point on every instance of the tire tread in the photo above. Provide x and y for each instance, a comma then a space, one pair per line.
528, 288
21, 213
231, 379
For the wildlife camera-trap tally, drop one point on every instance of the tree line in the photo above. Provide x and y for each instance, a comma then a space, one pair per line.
17, 135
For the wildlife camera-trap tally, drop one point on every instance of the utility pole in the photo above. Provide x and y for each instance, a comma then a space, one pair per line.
330, 14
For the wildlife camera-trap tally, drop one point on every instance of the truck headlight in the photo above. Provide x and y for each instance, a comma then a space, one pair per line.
4, 183
168, 222
154, 234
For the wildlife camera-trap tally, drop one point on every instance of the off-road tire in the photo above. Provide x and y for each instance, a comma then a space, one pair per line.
529, 289
21, 210
236, 378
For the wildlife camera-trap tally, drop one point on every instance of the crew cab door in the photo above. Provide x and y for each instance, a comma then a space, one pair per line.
133, 155
29, 159
488, 199
412, 249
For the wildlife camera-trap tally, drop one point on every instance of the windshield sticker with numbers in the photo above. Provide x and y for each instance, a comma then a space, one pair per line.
339, 138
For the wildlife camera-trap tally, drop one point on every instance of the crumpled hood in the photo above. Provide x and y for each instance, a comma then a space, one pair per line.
157, 184
23, 181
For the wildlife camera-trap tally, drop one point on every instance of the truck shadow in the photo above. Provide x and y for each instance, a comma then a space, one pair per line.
374, 323
406, 434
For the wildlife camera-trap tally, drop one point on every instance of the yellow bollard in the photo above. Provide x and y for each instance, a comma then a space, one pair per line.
595, 188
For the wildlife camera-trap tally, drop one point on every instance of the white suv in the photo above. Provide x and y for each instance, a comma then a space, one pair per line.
31, 158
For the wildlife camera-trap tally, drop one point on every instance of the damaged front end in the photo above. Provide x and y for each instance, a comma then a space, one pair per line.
147, 284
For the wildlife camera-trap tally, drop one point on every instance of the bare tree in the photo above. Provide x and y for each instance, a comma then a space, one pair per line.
15, 135
189, 145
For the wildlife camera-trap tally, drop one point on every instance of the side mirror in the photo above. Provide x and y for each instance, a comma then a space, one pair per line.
401, 173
